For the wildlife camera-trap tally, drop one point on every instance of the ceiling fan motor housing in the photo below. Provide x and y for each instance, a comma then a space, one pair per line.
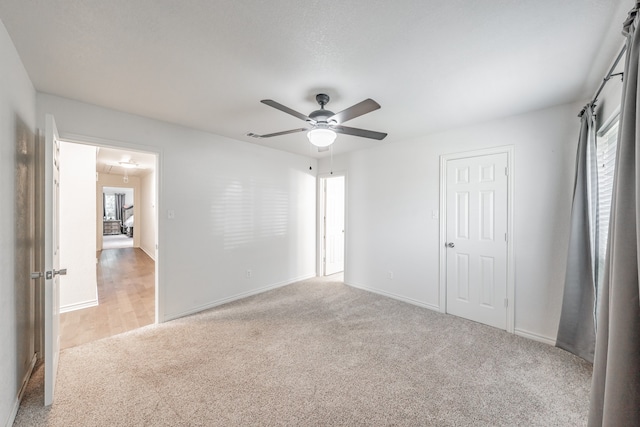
320, 116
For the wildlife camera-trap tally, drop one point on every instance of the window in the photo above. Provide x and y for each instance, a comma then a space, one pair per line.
606, 145
110, 206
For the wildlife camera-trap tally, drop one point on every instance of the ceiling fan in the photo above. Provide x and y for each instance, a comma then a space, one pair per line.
323, 125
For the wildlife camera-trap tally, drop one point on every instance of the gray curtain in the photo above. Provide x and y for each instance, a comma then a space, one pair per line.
615, 390
119, 197
576, 332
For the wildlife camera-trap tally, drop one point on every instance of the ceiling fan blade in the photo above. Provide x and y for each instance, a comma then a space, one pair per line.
269, 135
364, 107
359, 132
278, 106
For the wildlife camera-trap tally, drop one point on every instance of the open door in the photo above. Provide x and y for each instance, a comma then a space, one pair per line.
52, 259
334, 214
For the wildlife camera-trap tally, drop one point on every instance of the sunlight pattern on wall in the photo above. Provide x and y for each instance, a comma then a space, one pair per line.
249, 210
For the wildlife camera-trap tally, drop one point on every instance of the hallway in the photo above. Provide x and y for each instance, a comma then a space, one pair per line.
126, 296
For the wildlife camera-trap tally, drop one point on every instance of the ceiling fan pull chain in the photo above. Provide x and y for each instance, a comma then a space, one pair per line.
331, 151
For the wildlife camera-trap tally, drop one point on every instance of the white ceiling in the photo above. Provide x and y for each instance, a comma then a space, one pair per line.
109, 160
206, 64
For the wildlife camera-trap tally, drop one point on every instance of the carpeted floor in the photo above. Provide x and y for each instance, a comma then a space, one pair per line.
117, 241
314, 353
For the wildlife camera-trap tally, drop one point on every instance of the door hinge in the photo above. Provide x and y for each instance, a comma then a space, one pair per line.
506, 238
506, 171
506, 303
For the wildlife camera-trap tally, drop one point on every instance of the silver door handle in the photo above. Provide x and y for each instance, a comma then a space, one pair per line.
51, 274
450, 245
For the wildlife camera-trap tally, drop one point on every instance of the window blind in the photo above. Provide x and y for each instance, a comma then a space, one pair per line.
606, 146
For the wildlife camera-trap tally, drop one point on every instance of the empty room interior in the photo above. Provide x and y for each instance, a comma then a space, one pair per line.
319, 213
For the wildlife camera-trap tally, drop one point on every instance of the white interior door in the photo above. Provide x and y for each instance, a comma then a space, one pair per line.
334, 225
476, 238
52, 259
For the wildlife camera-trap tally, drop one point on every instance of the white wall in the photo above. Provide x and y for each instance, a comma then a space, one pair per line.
146, 225
17, 126
78, 289
392, 191
245, 207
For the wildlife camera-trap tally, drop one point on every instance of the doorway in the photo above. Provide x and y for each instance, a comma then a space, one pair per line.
118, 219
476, 251
125, 272
333, 224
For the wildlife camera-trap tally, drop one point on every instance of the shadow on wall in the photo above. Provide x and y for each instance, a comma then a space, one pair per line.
24, 292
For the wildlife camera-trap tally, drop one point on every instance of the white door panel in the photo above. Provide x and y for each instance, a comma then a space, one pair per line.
52, 260
476, 265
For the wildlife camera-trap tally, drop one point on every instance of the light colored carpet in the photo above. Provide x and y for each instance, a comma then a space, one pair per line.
314, 353
117, 241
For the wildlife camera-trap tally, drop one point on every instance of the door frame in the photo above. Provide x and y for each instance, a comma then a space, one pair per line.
320, 247
509, 150
160, 297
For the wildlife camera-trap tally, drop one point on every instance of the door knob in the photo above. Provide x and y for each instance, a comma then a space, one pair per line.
51, 274
450, 245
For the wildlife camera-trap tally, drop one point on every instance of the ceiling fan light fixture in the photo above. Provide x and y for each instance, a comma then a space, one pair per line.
321, 137
130, 164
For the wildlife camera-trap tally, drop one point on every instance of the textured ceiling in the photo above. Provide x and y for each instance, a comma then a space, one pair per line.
206, 64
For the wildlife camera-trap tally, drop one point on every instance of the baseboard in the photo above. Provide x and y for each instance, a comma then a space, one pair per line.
236, 297
78, 306
535, 337
23, 387
395, 296
519, 332
153, 257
